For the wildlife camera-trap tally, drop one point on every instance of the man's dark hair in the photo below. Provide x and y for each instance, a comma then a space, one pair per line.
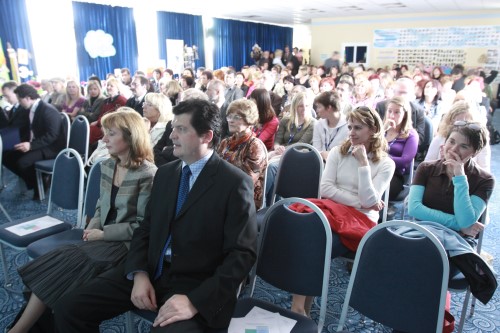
10, 85
95, 78
26, 90
169, 71
457, 69
189, 80
231, 71
144, 80
208, 74
205, 117
125, 70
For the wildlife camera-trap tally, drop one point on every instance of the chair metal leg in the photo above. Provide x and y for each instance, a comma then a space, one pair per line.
5, 213
463, 314
39, 182
130, 326
6, 277
472, 307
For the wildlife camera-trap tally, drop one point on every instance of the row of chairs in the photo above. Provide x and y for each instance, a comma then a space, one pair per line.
66, 192
77, 138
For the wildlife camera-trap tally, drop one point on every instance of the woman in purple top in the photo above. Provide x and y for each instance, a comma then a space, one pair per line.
402, 139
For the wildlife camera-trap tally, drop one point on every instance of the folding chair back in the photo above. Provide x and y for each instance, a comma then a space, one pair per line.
399, 281
79, 137
299, 172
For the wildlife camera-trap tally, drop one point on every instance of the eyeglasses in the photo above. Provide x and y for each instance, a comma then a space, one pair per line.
471, 125
234, 117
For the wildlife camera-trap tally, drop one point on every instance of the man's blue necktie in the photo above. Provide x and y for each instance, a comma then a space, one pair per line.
181, 197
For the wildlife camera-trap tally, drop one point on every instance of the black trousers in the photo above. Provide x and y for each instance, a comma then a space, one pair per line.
105, 297
23, 164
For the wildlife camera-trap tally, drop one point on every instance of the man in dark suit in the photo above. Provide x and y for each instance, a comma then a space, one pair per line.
187, 257
405, 88
139, 87
47, 137
16, 116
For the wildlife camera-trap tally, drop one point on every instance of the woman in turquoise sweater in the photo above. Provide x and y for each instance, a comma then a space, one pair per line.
454, 191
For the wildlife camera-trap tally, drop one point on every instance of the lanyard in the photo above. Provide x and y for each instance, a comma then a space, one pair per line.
292, 135
329, 141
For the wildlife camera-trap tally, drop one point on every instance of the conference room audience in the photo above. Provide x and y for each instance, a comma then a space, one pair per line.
460, 111
331, 129
402, 140
111, 104
356, 175
125, 188
454, 190
243, 149
94, 101
74, 100
295, 128
267, 126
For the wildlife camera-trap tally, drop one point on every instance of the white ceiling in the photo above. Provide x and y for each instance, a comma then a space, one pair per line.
292, 12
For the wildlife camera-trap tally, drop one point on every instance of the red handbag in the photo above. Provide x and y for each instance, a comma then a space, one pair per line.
449, 320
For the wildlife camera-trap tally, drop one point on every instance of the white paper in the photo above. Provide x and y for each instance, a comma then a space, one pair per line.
259, 320
32, 226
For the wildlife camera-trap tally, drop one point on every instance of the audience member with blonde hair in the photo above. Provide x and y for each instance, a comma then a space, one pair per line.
356, 175
461, 110
94, 101
158, 112
74, 99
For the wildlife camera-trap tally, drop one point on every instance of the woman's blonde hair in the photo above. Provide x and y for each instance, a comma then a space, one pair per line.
378, 144
134, 132
458, 108
173, 88
68, 99
94, 83
163, 104
299, 98
406, 124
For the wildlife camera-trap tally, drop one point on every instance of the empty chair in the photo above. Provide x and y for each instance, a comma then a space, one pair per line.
398, 281
47, 166
78, 139
294, 255
66, 192
74, 235
299, 174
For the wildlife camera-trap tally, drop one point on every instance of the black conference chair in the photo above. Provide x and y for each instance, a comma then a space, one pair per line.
399, 281
78, 139
72, 236
299, 175
66, 192
294, 255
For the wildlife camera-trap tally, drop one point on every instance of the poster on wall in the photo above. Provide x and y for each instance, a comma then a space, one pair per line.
175, 55
439, 37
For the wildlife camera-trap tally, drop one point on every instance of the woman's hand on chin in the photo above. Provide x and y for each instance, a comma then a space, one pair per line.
359, 153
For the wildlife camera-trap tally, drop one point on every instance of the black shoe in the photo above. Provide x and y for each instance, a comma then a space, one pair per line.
36, 195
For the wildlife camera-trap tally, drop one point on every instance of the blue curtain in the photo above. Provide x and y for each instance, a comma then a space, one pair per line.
234, 41
187, 27
15, 30
115, 22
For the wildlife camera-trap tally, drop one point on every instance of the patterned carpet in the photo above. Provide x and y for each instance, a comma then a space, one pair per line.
486, 318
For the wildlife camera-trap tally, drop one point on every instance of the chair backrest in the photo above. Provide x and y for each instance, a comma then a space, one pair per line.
66, 122
66, 190
92, 192
399, 281
295, 251
79, 137
299, 172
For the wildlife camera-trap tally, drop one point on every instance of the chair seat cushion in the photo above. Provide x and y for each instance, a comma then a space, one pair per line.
47, 244
303, 325
45, 165
15, 240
